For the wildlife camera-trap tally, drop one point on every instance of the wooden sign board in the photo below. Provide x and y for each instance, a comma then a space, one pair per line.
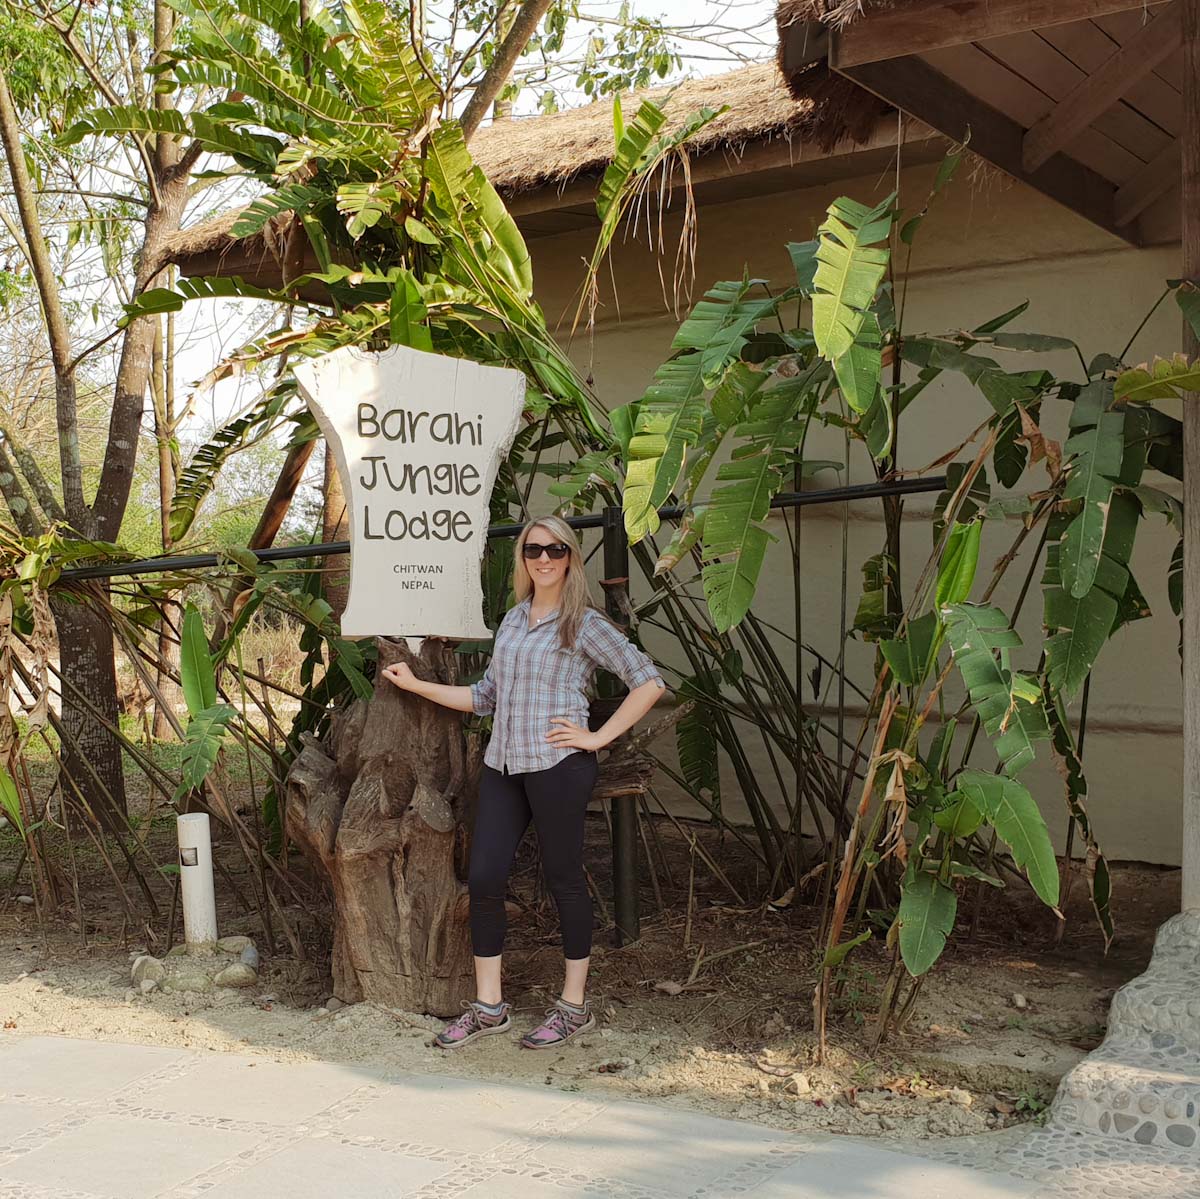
418, 439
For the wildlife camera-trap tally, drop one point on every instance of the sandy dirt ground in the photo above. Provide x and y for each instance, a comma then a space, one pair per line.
996, 1024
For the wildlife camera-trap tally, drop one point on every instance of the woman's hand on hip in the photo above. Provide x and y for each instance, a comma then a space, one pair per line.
568, 735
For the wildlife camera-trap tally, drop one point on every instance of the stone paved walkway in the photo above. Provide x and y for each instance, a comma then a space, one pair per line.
90, 1120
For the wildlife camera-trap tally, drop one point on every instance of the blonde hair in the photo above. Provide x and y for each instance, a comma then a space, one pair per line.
576, 597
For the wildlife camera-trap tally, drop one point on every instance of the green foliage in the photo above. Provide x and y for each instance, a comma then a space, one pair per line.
1165, 379
197, 675
735, 541
669, 416
1010, 809
198, 478
10, 801
850, 268
696, 736
982, 640
1095, 448
927, 911
202, 746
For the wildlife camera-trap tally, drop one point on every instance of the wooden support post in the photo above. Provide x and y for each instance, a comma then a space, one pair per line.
624, 807
1190, 209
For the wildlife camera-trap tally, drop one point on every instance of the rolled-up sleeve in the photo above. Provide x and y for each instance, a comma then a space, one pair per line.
608, 647
483, 694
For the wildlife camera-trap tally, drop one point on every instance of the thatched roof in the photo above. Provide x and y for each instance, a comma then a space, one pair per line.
531, 152
829, 12
525, 154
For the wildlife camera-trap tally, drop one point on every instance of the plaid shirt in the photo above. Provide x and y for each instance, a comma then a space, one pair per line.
531, 678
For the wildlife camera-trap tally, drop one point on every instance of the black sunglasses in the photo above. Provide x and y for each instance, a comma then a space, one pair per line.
531, 551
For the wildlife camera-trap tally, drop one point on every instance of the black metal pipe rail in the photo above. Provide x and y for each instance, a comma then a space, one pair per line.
789, 499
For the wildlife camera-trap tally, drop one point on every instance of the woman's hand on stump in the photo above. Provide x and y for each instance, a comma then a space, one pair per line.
400, 673
567, 735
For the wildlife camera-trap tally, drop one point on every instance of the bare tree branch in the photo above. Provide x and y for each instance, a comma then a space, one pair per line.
46, 498
55, 319
490, 86
10, 487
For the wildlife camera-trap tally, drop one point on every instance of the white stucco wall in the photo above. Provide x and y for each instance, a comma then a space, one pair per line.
988, 245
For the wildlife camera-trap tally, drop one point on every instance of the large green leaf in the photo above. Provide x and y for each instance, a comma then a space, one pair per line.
734, 540
10, 801
157, 300
669, 416
911, 655
1165, 379
196, 672
1011, 811
851, 262
1079, 626
199, 477
407, 314
127, 119
1094, 451
956, 571
927, 911
981, 641
696, 736
858, 369
293, 197
202, 745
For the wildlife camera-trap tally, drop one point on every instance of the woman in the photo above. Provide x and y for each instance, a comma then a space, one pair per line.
540, 765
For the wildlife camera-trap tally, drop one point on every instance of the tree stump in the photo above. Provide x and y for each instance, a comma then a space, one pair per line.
382, 808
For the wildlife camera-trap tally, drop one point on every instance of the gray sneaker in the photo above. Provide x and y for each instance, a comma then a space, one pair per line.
471, 1025
561, 1025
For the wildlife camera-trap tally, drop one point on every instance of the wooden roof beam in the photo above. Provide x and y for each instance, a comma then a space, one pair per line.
914, 86
1155, 179
1151, 45
922, 25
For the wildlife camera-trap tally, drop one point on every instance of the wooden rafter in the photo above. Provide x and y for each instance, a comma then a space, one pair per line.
915, 87
1155, 179
922, 25
1094, 95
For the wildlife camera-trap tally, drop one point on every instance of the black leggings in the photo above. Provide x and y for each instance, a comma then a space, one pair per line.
556, 800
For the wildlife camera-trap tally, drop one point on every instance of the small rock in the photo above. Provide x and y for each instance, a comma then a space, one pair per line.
249, 957
321, 1011
237, 974
146, 967
334, 1004
798, 1084
130, 994
1020, 1002
606, 1032
959, 1096
147, 985
187, 982
668, 986
177, 951
234, 944
764, 1087
886, 1123
27, 900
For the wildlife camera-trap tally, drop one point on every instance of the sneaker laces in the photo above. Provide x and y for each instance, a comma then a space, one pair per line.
470, 1020
563, 1021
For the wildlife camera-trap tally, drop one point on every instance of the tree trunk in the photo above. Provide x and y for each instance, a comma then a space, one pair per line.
335, 527
381, 809
92, 758
170, 691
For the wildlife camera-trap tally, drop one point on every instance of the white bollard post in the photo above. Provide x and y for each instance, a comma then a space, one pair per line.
196, 878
